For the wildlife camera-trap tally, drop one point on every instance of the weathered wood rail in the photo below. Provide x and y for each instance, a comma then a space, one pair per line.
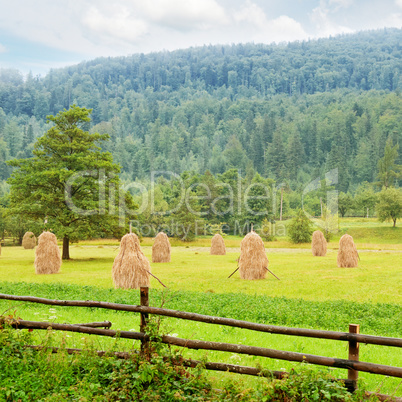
352, 364
310, 333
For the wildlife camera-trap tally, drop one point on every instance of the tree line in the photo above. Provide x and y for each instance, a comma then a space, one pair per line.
71, 186
282, 114
293, 139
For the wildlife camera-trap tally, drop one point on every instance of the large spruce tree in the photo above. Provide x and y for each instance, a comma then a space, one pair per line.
70, 184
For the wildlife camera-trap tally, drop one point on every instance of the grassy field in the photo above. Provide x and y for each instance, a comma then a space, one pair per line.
378, 278
312, 293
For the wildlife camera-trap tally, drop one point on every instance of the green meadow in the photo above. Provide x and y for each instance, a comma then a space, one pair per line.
312, 293
378, 278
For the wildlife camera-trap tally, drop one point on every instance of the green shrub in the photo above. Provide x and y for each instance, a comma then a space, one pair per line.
308, 384
27, 374
300, 228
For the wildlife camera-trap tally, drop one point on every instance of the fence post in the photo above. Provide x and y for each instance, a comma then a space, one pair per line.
353, 354
144, 301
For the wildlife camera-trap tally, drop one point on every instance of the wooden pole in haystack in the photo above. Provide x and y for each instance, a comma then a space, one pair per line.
161, 248
318, 244
130, 267
348, 256
47, 254
29, 241
218, 245
253, 261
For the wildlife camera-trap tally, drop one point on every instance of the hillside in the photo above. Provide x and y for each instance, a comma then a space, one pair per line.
287, 111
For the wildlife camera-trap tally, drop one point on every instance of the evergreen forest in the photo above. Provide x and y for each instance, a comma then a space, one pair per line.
282, 114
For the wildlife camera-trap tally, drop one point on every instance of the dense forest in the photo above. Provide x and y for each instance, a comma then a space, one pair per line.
288, 113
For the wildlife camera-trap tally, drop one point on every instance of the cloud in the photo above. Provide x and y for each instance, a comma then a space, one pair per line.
341, 3
87, 27
184, 14
393, 20
282, 29
321, 17
251, 13
398, 3
48, 23
2, 48
267, 30
106, 26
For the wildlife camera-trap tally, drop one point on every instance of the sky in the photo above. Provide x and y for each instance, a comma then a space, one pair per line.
37, 35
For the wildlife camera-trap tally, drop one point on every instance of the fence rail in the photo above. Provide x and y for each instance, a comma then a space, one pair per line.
310, 333
352, 364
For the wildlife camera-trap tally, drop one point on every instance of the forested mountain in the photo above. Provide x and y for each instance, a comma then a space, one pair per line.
290, 112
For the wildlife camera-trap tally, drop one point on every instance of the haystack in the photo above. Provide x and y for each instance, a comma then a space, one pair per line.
253, 261
161, 248
348, 256
318, 244
29, 240
130, 267
47, 254
218, 245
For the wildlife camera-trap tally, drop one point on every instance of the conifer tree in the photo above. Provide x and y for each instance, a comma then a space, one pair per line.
70, 183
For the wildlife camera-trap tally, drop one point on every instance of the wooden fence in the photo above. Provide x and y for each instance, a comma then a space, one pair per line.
353, 337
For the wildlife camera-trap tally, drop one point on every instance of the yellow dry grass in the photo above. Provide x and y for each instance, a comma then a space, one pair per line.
318, 244
29, 241
253, 261
130, 267
47, 254
348, 256
218, 245
161, 248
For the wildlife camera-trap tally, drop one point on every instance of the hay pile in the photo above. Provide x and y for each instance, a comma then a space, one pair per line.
253, 261
47, 254
348, 256
161, 248
29, 240
130, 266
218, 245
318, 244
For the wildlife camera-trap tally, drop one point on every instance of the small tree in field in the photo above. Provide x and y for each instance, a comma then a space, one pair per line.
300, 228
389, 206
70, 183
345, 202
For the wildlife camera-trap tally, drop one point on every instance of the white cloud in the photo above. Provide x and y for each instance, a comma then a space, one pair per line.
252, 14
109, 26
2, 48
267, 30
325, 26
393, 20
398, 3
341, 3
287, 29
184, 14
49, 23
101, 27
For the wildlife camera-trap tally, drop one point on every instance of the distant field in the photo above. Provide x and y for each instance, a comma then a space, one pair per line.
368, 233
